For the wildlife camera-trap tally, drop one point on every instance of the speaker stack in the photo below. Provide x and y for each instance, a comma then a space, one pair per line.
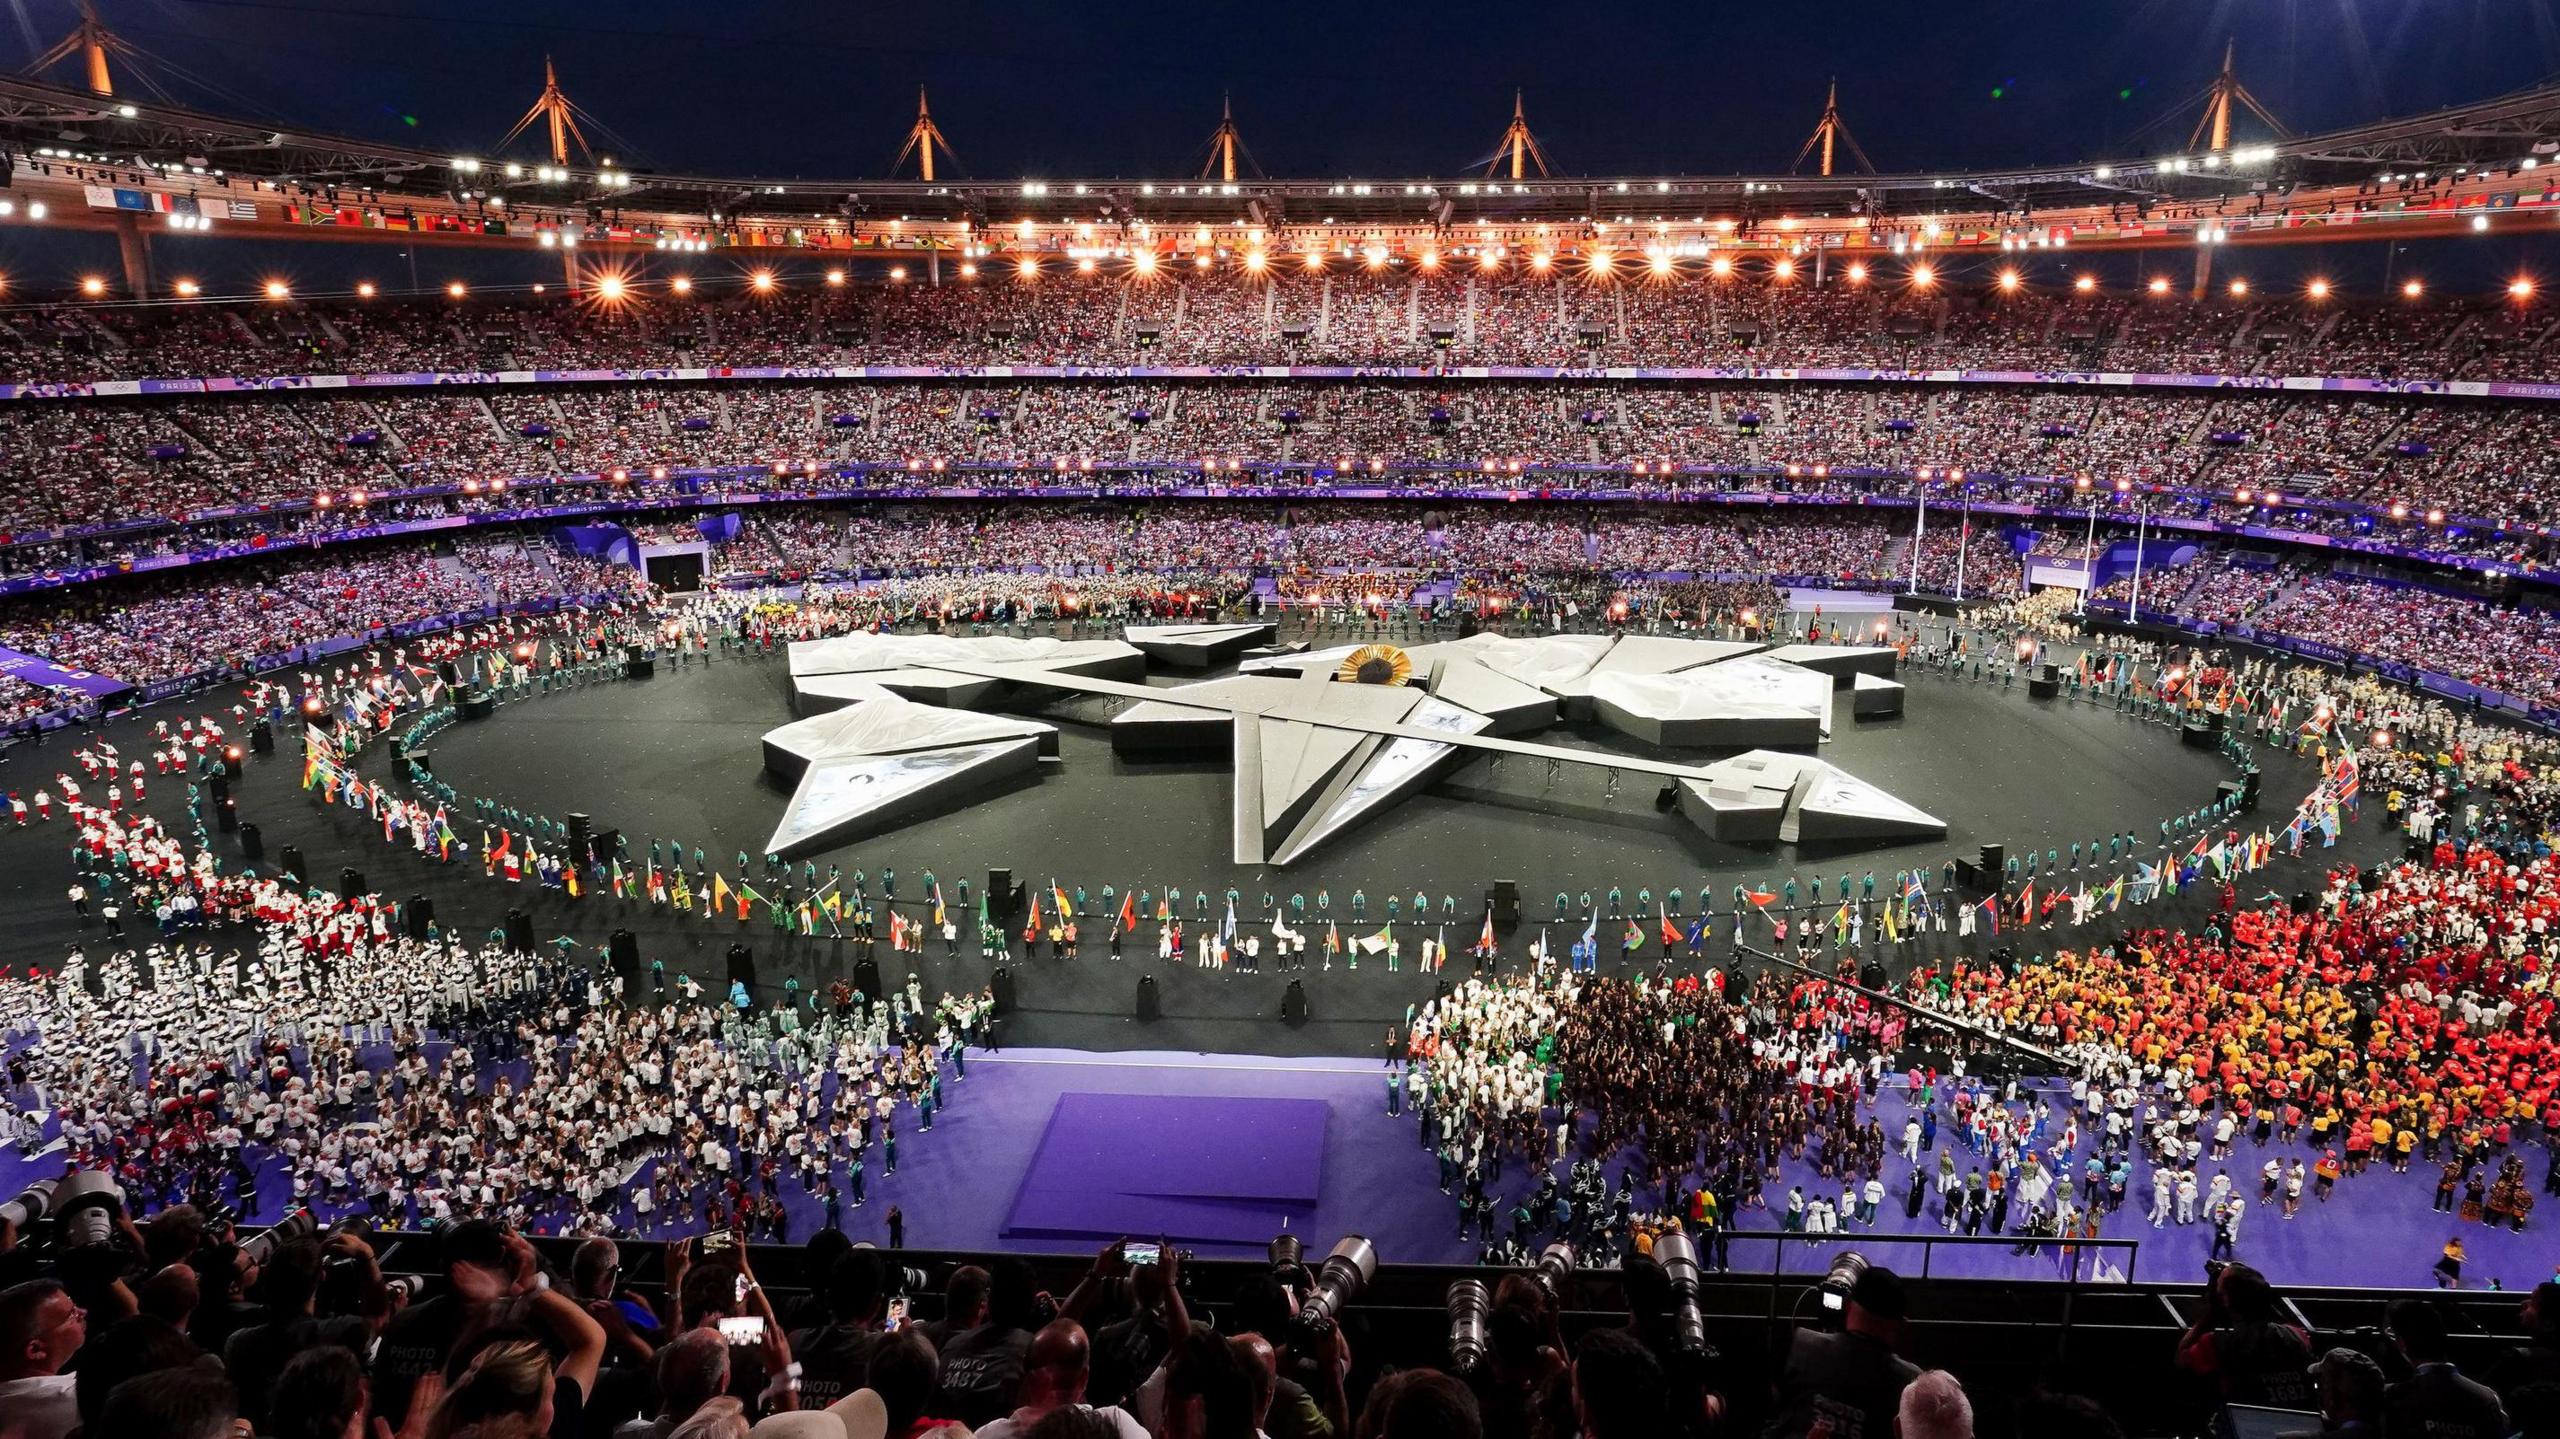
519, 932
1293, 1003
623, 948
2044, 682
289, 859
262, 737
1148, 1006
580, 828
478, 704
2196, 734
742, 965
350, 882
418, 916
253, 845
639, 664
1505, 899
1000, 989
866, 978
1000, 894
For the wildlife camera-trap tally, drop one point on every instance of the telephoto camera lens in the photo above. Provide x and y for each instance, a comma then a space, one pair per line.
1678, 1256
1555, 1270
1841, 1278
1347, 1270
1469, 1305
297, 1225
33, 1203
88, 1203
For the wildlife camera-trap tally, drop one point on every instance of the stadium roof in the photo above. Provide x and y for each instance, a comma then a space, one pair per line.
2482, 155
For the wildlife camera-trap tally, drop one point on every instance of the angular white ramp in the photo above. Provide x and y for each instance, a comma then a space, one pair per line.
1842, 661
1764, 796
844, 795
1198, 647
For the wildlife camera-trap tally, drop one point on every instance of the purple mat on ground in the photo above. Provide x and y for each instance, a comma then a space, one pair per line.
1197, 1168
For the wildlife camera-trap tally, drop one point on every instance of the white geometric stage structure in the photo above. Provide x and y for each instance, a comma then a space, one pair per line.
830, 672
1763, 796
1198, 647
1874, 698
1842, 661
1752, 700
883, 757
1314, 754
1679, 693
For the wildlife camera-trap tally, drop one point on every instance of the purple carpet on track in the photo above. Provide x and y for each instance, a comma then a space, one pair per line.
1195, 1168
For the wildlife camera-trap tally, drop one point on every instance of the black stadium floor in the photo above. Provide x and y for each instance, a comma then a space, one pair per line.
677, 756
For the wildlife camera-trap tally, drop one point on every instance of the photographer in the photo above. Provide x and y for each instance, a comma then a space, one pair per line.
1308, 1401
835, 1356
982, 1368
1516, 1380
1847, 1385
2242, 1345
497, 1292
288, 1284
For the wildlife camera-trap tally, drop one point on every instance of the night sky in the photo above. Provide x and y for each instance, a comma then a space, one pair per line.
1131, 87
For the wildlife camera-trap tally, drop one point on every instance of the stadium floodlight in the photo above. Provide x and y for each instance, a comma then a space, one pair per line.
2239, 287
835, 277
456, 290
2085, 283
1922, 277
2520, 288
365, 290
1857, 274
681, 284
761, 280
1784, 269
187, 289
2008, 279
2412, 289
92, 286
278, 290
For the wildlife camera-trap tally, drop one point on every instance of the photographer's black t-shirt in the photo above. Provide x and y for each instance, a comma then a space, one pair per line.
835, 1360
